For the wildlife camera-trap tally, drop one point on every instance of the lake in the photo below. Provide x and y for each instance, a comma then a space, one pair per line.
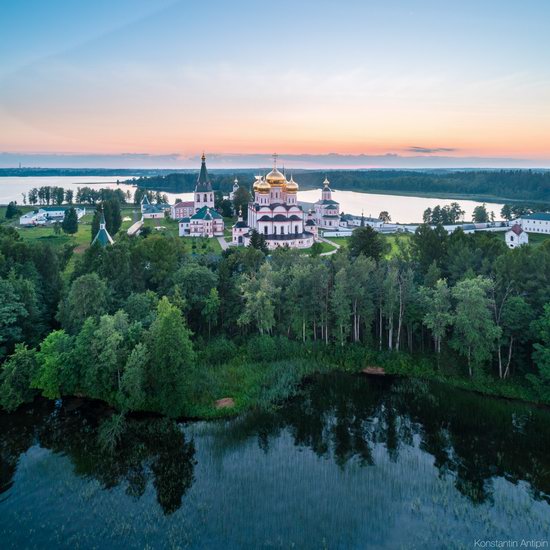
402, 209
352, 462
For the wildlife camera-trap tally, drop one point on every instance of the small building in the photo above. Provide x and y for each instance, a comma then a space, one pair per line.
516, 236
153, 211
538, 222
184, 226
311, 224
351, 222
239, 230
327, 210
206, 222
102, 237
49, 214
182, 209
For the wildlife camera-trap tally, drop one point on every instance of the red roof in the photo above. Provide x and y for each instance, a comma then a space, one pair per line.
517, 229
184, 204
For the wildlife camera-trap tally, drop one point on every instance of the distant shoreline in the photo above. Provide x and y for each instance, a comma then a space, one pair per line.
129, 180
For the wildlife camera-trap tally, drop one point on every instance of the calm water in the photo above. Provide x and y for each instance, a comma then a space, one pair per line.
11, 188
402, 209
351, 463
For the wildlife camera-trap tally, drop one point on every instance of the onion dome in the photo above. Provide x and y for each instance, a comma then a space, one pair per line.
257, 182
263, 187
275, 177
326, 183
291, 186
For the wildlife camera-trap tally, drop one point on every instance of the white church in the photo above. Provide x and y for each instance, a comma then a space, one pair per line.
274, 212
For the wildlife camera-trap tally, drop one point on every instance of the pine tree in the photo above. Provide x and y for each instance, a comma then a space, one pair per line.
95, 223
70, 222
12, 211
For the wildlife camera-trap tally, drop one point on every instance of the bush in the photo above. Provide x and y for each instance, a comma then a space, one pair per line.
218, 351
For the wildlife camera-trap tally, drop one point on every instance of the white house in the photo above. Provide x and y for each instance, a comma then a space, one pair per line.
48, 214
350, 221
539, 222
516, 236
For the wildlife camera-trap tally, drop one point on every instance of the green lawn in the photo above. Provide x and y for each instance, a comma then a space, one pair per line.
196, 245
536, 239
391, 239
394, 239
47, 234
325, 248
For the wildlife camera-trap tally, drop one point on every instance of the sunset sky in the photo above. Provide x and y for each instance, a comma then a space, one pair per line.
410, 78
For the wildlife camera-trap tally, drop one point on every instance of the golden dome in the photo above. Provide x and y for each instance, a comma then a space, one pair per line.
257, 182
291, 186
263, 187
275, 177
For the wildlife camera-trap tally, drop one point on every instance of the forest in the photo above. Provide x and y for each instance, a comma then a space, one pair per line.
147, 324
513, 185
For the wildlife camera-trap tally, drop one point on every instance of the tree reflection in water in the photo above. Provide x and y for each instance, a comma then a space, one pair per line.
344, 418
150, 449
471, 437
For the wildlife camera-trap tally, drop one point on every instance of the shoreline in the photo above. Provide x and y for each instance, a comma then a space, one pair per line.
198, 412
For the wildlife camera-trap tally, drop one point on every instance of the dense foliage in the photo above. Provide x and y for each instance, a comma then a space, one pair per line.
52, 195
146, 325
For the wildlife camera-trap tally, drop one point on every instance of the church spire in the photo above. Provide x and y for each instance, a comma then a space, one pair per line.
203, 181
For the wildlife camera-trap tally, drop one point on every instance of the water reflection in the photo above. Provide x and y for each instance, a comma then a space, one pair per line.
150, 450
471, 438
365, 455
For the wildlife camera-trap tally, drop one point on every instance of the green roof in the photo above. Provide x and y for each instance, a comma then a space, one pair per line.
203, 181
54, 208
102, 238
543, 216
327, 202
206, 213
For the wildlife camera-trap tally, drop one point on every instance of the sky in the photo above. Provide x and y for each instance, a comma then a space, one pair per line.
347, 83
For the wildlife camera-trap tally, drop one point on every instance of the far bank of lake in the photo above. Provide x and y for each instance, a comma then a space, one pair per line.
402, 208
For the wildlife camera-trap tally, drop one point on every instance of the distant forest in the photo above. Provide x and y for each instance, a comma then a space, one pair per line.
507, 185
516, 185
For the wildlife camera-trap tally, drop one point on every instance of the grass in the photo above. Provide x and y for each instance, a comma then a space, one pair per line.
197, 245
392, 239
46, 234
325, 247
536, 239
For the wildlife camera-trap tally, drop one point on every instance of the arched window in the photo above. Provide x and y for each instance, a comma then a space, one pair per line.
205, 199
265, 229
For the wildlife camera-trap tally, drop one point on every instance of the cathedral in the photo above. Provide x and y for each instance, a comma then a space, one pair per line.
274, 213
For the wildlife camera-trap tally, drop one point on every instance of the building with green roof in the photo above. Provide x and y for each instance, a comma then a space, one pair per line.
102, 237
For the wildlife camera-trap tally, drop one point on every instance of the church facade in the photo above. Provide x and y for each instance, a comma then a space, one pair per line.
205, 220
275, 213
